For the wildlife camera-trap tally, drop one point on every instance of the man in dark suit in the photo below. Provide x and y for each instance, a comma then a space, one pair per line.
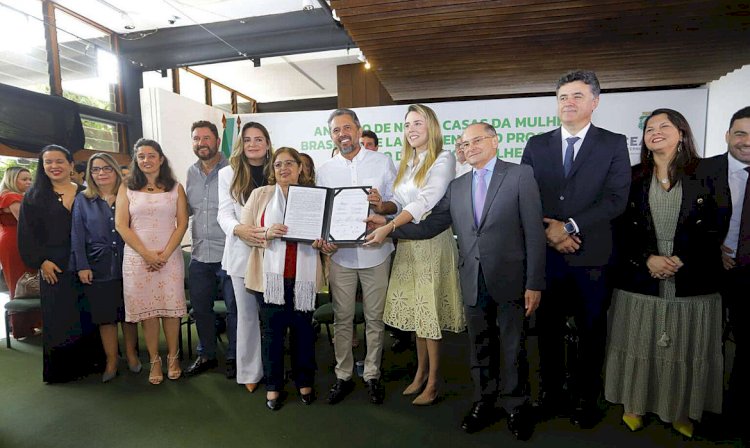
731, 172
583, 174
497, 215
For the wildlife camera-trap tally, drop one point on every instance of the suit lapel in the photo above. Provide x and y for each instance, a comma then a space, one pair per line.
589, 143
498, 174
460, 191
555, 153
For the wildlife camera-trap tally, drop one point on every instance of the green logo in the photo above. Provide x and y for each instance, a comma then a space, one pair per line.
642, 120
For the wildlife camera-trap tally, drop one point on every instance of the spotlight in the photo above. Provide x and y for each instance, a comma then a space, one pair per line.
364, 60
256, 62
127, 21
307, 5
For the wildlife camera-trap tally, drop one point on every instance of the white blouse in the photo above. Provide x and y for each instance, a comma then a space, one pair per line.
419, 200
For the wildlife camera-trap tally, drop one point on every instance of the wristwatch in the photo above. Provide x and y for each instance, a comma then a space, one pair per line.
570, 228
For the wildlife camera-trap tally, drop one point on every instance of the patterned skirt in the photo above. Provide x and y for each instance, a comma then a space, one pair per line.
664, 355
424, 293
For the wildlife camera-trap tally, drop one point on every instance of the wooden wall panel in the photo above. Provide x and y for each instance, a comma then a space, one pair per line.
358, 87
466, 48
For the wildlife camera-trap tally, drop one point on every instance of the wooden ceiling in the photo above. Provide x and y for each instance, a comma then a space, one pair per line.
424, 49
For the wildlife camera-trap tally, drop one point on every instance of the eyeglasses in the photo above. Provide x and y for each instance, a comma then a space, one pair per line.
103, 169
284, 164
474, 141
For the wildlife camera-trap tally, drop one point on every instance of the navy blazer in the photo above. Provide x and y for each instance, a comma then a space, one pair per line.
701, 228
594, 194
716, 169
95, 243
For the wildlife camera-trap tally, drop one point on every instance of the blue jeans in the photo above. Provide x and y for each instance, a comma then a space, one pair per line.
207, 282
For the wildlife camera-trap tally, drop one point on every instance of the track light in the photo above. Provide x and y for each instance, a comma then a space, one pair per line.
127, 21
363, 59
256, 62
307, 5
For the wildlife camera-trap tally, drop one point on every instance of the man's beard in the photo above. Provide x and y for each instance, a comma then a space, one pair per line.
211, 152
346, 149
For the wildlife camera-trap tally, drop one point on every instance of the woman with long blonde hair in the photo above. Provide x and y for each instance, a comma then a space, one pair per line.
423, 292
248, 169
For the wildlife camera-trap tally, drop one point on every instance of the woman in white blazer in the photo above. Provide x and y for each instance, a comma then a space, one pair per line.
247, 170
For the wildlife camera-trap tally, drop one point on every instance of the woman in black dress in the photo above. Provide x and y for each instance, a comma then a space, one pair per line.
72, 347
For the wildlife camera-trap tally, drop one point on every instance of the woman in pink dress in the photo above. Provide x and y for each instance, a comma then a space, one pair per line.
12, 188
152, 217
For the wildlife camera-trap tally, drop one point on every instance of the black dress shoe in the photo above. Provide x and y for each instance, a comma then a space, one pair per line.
341, 388
277, 402
375, 390
586, 416
478, 418
521, 424
231, 369
307, 399
201, 365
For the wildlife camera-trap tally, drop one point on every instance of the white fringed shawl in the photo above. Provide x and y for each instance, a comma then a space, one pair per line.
275, 256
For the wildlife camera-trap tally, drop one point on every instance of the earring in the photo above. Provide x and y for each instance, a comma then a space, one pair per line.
679, 146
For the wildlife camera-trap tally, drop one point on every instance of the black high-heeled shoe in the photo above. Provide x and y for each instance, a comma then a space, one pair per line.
307, 399
276, 403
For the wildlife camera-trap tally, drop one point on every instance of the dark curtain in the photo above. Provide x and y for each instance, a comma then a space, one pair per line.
29, 121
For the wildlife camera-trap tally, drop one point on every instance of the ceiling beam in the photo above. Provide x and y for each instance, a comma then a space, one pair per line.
266, 36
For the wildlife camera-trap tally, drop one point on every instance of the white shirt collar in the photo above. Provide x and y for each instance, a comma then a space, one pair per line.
490, 166
734, 164
581, 134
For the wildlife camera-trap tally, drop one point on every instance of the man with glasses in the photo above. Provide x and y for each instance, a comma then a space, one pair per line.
205, 273
351, 264
583, 174
496, 213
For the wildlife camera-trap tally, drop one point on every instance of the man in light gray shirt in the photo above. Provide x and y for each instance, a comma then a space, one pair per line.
206, 278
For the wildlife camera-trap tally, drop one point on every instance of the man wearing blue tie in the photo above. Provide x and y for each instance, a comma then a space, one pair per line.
583, 174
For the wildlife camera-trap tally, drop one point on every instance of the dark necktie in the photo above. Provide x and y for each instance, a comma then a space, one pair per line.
743, 243
569, 151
